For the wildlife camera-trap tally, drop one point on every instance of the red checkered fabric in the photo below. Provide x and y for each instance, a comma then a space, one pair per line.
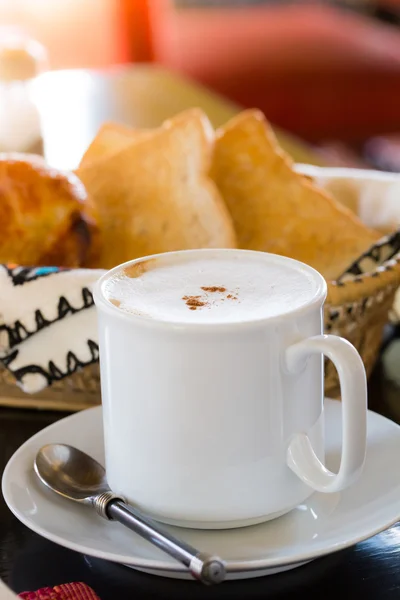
67, 591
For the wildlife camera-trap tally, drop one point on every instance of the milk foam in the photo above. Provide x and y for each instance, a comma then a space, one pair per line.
211, 289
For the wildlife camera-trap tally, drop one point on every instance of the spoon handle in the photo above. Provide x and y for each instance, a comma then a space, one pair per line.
208, 569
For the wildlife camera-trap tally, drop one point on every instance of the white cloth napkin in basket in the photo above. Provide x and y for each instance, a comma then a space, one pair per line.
48, 325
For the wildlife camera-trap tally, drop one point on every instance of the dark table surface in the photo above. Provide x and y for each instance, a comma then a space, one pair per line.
369, 570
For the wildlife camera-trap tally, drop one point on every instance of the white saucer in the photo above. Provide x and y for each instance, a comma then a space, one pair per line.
324, 524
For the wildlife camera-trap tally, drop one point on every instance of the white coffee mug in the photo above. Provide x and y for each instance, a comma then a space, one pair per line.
220, 425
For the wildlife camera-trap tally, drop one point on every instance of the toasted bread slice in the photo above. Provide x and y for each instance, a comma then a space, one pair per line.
109, 140
277, 210
373, 195
155, 195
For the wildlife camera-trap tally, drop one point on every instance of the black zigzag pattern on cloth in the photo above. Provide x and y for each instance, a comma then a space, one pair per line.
52, 372
21, 275
17, 333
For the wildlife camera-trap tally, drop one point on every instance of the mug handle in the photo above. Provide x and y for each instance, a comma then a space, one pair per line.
301, 457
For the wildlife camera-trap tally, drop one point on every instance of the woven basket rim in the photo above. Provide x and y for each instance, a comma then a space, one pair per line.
367, 284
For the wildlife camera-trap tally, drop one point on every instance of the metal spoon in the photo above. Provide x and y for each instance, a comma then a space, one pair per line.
78, 477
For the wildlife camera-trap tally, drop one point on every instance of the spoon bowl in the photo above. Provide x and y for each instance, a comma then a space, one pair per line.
70, 472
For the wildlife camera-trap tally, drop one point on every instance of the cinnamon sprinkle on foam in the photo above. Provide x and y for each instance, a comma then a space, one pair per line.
214, 288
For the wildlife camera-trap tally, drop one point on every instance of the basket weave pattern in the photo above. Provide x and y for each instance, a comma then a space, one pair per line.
361, 323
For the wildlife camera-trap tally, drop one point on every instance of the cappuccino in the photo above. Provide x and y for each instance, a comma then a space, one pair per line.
212, 411
211, 287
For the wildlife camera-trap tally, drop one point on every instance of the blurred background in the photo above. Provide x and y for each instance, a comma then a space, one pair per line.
327, 72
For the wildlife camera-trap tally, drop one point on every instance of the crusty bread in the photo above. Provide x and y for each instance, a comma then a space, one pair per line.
373, 195
111, 139
277, 210
41, 214
155, 194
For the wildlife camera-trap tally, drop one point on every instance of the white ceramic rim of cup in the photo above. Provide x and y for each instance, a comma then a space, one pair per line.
102, 302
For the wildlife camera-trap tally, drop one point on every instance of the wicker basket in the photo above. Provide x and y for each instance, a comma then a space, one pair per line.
357, 308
